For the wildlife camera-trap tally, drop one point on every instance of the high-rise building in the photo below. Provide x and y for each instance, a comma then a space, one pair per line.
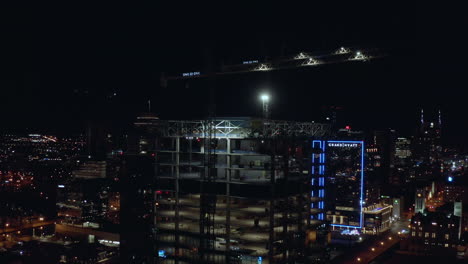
427, 150
146, 132
138, 192
338, 171
403, 160
237, 191
136, 209
380, 150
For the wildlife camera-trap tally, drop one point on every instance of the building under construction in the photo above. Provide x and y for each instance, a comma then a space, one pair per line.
237, 190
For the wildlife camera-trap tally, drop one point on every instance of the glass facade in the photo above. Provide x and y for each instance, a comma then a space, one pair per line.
337, 167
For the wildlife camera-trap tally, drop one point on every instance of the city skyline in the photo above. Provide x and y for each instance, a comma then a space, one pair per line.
64, 79
152, 135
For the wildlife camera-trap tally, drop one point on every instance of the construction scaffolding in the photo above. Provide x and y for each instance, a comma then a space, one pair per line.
235, 191
243, 128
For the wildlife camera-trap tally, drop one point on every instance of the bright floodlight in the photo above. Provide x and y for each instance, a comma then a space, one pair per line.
265, 97
265, 102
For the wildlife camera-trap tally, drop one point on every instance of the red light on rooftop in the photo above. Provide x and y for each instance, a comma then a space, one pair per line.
158, 192
347, 127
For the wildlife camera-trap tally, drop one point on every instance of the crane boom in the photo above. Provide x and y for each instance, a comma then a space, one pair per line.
301, 60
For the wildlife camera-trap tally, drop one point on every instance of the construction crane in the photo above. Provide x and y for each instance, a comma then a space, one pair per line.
300, 60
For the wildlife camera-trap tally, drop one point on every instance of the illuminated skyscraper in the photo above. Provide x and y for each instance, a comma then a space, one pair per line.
403, 157
338, 178
427, 149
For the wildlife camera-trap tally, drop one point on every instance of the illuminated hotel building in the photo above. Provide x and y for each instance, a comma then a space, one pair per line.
338, 181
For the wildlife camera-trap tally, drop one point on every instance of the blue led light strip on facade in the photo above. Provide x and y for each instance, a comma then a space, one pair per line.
317, 160
362, 181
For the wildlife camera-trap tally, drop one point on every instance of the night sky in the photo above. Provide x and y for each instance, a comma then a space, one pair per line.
60, 66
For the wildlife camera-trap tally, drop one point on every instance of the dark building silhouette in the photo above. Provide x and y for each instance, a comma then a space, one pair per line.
136, 209
380, 150
433, 233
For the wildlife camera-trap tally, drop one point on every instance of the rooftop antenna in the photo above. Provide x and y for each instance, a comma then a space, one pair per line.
440, 118
422, 116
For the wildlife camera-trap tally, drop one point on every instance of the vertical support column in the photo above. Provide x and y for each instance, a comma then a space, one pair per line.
299, 205
177, 207
155, 200
155, 225
173, 142
285, 205
310, 188
190, 156
228, 201
272, 204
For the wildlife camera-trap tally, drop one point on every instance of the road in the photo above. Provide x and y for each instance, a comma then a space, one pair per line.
376, 245
74, 230
26, 226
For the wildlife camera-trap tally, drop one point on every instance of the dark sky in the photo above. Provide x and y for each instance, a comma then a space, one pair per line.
59, 65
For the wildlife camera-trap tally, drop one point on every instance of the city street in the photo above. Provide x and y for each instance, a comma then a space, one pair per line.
374, 246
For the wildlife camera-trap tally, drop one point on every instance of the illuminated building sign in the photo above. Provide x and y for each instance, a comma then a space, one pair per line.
344, 145
250, 62
188, 74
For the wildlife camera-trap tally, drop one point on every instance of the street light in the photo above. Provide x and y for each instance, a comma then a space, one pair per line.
265, 98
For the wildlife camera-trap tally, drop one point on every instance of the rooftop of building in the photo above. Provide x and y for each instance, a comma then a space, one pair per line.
433, 218
242, 127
